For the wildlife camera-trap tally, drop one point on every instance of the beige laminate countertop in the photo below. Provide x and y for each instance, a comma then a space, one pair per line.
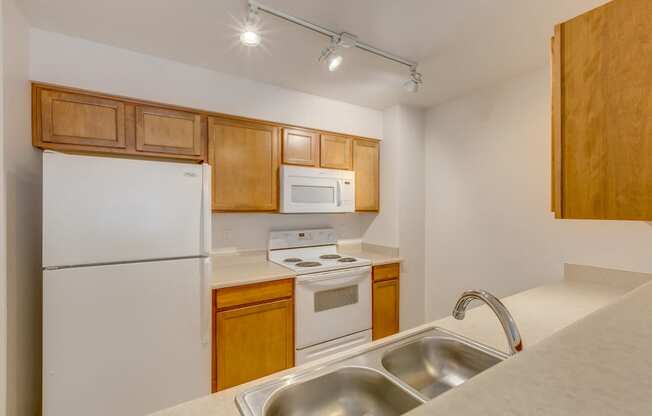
244, 269
599, 365
253, 267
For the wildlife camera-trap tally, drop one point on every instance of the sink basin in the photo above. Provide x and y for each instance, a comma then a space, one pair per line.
388, 379
347, 391
435, 364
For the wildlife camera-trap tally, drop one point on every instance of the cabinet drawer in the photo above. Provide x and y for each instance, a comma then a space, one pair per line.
256, 293
387, 272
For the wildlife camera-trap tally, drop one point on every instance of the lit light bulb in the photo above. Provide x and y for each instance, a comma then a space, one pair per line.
250, 37
334, 62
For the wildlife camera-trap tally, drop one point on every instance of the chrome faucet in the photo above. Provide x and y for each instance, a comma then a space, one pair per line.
514, 340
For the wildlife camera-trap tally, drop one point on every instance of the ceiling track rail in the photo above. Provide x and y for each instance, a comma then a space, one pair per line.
255, 6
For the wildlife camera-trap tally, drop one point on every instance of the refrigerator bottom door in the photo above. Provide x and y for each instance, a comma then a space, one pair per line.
124, 339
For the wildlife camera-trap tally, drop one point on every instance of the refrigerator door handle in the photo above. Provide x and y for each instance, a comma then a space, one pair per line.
206, 214
205, 301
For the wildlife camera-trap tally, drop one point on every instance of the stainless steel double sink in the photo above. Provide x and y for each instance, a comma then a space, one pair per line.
387, 380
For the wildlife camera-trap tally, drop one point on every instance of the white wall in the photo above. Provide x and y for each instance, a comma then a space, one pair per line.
411, 207
22, 182
233, 231
401, 220
3, 238
488, 220
76, 62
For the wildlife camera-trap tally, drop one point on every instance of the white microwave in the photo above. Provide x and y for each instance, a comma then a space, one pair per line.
313, 190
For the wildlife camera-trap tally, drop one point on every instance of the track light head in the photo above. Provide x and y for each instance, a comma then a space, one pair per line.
330, 56
250, 35
414, 82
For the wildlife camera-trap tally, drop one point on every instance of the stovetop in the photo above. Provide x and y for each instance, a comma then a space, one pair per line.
310, 251
315, 259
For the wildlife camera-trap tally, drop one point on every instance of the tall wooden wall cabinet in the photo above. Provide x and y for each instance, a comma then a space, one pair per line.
602, 114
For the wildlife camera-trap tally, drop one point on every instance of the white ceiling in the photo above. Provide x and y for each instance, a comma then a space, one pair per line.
461, 44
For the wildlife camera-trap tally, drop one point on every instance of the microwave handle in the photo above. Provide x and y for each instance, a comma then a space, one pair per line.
339, 193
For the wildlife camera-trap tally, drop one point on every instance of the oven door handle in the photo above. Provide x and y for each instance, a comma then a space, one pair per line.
341, 278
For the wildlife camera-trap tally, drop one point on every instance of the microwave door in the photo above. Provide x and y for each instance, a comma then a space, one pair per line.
311, 195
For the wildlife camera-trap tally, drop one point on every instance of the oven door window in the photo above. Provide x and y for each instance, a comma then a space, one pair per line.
336, 298
311, 194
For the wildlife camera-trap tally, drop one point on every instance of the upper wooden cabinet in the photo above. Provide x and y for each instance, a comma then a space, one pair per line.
366, 155
71, 120
300, 147
602, 114
81, 120
245, 154
245, 160
336, 152
162, 130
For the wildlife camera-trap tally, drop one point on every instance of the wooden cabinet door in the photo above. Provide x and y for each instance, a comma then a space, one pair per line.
300, 147
385, 312
162, 130
80, 120
336, 152
602, 118
366, 155
254, 341
245, 160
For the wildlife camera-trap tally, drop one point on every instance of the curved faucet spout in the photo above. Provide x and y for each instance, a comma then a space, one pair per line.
514, 340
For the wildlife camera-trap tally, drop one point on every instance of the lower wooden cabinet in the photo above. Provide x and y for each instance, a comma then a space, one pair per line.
386, 300
253, 329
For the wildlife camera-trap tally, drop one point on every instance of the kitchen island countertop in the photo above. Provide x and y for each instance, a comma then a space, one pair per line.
544, 378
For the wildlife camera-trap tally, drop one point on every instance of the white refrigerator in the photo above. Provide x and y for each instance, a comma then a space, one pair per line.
126, 297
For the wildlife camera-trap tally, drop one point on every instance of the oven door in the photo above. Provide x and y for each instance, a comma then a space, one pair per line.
311, 190
331, 305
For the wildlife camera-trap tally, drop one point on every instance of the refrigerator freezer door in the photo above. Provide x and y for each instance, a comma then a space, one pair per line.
124, 339
105, 210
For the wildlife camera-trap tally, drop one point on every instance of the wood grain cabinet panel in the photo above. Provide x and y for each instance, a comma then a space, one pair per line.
602, 114
300, 147
385, 310
366, 160
245, 162
254, 341
336, 152
253, 332
162, 130
81, 120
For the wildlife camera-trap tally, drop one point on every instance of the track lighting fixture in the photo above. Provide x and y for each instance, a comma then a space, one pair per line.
250, 36
415, 81
331, 57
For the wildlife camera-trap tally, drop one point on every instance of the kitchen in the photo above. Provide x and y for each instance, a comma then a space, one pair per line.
461, 198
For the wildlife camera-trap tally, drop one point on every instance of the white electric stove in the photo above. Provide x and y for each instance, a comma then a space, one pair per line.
332, 292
